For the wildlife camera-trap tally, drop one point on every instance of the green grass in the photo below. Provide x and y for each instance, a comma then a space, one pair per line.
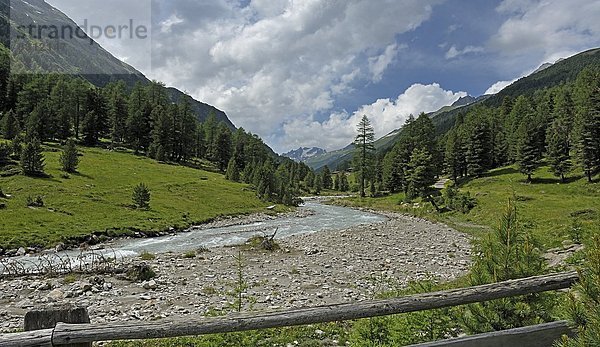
98, 198
546, 206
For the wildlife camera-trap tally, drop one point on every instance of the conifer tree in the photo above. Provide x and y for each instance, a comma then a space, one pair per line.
69, 158
363, 155
587, 127
222, 147
393, 171
558, 151
32, 158
326, 178
10, 125
141, 196
454, 156
527, 148
90, 129
478, 148
420, 175
233, 173
344, 185
336, 182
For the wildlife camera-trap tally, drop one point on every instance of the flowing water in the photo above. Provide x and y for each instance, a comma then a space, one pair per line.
324, 218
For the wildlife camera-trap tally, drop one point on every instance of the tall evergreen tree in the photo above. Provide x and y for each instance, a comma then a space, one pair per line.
222, 147
90, 129
420, 173
326, 178
558, 150
527, 148
10, 125
478, 148
393, 171
363, 155
587, 127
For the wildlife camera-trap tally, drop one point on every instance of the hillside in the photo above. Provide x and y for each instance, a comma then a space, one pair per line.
565, 70
93, 201
74, 54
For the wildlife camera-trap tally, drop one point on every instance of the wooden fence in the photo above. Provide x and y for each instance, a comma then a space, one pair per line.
70, 334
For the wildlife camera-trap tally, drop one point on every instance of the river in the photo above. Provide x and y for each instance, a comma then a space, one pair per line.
324, 218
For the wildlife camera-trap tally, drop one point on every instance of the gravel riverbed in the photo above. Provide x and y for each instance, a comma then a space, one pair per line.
310, 270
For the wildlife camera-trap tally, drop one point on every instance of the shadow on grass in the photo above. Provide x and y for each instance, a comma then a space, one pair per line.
547, 180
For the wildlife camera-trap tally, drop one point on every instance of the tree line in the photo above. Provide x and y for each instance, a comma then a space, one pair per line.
56, 108
559, 126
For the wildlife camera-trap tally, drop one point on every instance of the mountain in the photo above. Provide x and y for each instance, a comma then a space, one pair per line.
304, 153
75, 54
547, 76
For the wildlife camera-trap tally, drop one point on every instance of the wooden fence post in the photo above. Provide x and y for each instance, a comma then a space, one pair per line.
48, 318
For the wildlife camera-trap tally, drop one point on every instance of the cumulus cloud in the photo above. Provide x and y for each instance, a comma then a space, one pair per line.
386, 115
269, 63
551, 27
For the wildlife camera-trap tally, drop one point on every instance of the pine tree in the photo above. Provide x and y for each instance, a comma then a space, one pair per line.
336, 182
587, 127
89, 129
505, 254
233, 173
527, 148
222, 147
326, 178
32, 158
69, 158
10, 125
420, 175
393, 171
558, 150
309, 179
162, 133
117, 111
344, 185
363, 155
453, 157
478, 146
141, 196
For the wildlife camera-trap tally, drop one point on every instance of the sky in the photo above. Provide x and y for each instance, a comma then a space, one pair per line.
303, 72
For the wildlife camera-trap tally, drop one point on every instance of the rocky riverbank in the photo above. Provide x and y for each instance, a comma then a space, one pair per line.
311, 269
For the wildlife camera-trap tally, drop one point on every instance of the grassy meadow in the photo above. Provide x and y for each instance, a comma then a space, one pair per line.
548, 208
98, 198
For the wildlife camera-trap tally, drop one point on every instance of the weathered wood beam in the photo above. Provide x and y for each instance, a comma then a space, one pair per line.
41, 338
81, 333
541, 335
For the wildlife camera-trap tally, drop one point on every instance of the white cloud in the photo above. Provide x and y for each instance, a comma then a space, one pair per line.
549, 27
385, 114
378, 65
267, 64
453, 52
170, 22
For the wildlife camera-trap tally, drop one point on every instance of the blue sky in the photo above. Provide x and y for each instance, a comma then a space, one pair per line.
302, 72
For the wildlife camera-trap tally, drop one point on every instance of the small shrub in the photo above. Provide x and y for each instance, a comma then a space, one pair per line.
141, 272
141, 196
457, 201
70, 278
189, 255
145, 255
576, 231
209, 290
37, 201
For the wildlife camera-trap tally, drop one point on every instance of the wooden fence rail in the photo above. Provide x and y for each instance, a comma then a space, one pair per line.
66, 334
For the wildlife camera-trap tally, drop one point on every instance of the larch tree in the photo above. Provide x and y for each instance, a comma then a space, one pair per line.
363, 153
